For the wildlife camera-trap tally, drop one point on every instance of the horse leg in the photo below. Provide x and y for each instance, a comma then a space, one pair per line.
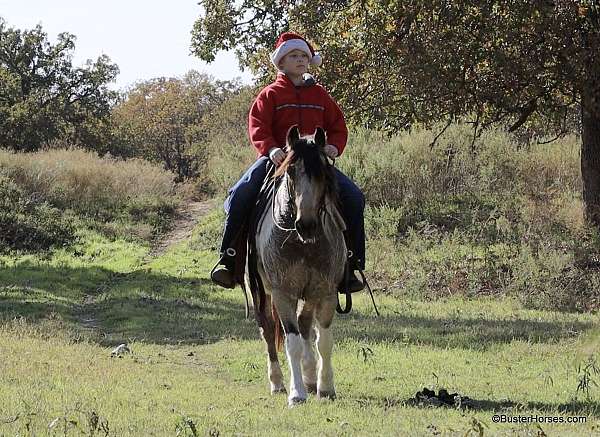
286, 307
267, 330
309, 362
325, 313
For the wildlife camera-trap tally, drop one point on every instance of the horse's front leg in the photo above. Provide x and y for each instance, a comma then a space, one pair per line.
309, 362
325, 313
286, 305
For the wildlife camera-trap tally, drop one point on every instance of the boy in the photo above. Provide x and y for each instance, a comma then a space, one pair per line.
293, 99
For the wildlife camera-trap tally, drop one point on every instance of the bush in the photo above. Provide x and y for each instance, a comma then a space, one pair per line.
28, 225
495, 219
104, 189
229, 151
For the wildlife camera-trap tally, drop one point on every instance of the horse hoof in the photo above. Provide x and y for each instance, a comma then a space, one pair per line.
311, 388
278, 390
326, 395
292, 402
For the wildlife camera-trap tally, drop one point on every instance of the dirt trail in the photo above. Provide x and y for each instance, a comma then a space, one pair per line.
186, 219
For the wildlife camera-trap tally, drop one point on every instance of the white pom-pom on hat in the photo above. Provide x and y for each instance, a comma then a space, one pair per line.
316, 60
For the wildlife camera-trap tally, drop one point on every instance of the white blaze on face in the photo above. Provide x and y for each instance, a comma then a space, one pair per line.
307, 197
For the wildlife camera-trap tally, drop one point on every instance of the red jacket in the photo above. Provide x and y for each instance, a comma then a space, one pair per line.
281, 105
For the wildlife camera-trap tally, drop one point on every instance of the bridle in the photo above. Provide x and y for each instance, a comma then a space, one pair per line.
321, 210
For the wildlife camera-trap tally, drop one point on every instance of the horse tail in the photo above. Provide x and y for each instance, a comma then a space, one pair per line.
279, 334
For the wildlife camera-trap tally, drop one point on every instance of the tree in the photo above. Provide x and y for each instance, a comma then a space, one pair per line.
395, 63
43, 97
161, 119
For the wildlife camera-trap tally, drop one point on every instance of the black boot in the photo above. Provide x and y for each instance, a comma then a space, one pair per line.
223, 273
350, 283
354, 284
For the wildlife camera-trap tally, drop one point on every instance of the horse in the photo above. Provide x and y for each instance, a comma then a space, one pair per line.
300, 257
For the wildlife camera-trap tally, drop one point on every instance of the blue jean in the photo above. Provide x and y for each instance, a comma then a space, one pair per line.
242, 197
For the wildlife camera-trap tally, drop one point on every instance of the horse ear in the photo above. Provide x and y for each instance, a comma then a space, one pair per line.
320, 137
293, 135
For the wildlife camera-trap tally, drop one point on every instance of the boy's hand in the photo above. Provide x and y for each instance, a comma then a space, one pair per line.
331, 151
277, 156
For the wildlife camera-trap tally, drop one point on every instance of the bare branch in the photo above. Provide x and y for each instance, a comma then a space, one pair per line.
558, 136
432, 145
527, 111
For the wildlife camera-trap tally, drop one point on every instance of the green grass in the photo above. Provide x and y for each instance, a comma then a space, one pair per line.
199, 366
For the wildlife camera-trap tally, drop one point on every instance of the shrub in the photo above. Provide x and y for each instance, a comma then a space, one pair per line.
29, 225
104, 189
489, 218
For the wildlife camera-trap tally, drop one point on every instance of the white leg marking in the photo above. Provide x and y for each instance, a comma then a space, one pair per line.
293, 348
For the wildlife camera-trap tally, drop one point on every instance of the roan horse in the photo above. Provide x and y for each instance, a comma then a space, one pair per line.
300, 256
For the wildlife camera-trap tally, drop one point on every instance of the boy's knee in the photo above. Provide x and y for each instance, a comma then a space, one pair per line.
241, 197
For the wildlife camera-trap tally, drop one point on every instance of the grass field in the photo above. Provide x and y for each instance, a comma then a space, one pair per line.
197, 367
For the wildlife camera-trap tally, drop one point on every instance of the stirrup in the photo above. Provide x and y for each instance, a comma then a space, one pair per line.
353, 284
348, 306
225, 266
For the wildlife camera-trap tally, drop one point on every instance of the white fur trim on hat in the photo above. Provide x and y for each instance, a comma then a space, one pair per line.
294, 44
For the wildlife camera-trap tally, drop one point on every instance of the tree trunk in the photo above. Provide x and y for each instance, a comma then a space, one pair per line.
590, 163
590, 135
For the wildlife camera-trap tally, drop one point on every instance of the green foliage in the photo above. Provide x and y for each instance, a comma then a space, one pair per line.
391, 64
29, 225
44, 98
161, 120
494, 219
227, 26
228, 149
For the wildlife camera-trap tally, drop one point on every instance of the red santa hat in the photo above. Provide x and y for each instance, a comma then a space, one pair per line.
289, 41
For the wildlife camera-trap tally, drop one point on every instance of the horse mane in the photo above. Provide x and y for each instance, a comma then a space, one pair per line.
312, 156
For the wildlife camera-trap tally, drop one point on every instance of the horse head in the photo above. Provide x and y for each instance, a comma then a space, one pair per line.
310, 180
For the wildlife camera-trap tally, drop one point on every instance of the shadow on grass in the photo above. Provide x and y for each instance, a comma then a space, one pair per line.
114, 307
159, 308
477, 333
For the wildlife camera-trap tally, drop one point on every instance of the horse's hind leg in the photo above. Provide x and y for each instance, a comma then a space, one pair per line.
267, 330
325, 313
294, 345
309, 362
